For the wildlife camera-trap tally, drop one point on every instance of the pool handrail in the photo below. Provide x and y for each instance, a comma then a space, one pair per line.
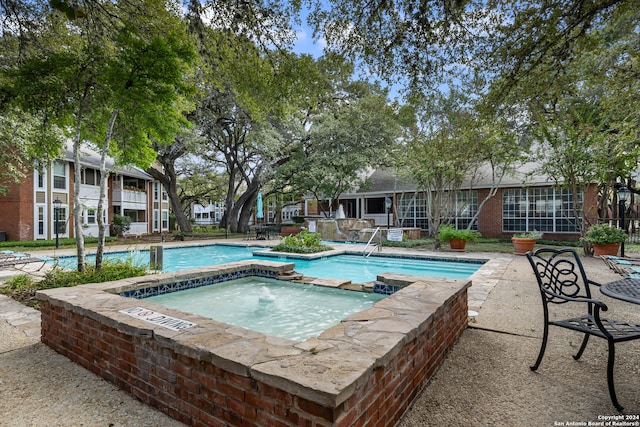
379, 245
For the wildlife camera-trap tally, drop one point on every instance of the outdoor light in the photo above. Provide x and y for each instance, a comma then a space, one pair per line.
387, 205
56, 215
623, 196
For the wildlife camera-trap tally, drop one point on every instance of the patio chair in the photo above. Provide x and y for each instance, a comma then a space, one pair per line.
562, 280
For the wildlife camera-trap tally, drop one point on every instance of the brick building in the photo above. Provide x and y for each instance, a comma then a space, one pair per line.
521, 203
28, 211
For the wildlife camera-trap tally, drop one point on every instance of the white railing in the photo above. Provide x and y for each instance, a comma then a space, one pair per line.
374, 245
129, 196
379, 219
89, 192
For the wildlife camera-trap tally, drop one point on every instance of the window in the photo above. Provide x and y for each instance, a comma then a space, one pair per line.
41, 221
40, 179
61, 220
91, 216
541, 209
165, 220
59, 175
375, 205
90, 176
164, 194
413, 210
466, 208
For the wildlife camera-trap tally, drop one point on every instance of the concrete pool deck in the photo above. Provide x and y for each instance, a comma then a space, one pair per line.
485, 380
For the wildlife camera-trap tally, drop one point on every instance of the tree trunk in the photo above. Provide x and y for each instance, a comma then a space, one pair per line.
167, 156
77, 204
170, 182
104, 177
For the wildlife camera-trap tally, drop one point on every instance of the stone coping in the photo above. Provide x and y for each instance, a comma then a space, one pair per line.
326, 369
267, 252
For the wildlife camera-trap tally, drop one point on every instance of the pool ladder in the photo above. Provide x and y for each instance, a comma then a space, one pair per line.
373, 245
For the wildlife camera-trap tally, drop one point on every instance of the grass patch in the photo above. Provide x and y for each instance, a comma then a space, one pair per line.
23, 287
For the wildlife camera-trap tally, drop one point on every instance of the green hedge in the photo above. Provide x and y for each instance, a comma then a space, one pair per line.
67, 241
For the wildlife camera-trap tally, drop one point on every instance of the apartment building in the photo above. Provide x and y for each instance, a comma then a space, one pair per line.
32, 208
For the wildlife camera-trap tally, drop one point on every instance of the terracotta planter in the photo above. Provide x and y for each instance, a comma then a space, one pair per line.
522, 245
457, 244
607, 249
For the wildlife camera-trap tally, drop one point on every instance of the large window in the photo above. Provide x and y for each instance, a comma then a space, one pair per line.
375, 205
412, 210
541, 209
466, 208
59, 175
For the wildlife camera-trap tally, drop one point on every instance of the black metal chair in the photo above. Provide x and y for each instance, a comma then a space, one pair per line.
562, 279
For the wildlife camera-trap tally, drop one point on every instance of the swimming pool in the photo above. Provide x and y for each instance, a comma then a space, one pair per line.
356, 268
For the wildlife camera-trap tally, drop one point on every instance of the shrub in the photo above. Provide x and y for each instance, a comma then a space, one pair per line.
302, 243
449, 232
121, 224
603, 234
529, 235
23, 289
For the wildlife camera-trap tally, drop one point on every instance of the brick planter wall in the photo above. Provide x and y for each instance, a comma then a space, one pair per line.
365, 371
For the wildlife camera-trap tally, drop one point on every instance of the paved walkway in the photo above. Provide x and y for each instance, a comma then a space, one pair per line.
484, 381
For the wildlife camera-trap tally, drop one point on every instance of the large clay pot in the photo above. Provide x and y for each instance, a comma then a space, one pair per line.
522, 245
457, 244
606, 249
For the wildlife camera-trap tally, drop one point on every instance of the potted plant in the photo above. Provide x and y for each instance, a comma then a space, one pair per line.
605, 239
524, 242
457, 238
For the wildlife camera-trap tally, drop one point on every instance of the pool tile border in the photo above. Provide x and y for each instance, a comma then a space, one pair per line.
196, 282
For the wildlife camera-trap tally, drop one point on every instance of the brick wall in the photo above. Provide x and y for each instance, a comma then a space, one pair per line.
200, 390
17, 210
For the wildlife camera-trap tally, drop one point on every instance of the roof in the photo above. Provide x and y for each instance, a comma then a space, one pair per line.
384, 181
91, 158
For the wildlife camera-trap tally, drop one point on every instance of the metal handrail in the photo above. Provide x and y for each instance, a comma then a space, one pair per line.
364, 252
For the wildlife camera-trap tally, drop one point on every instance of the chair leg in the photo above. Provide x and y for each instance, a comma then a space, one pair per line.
585, 340
542, 348
612, 390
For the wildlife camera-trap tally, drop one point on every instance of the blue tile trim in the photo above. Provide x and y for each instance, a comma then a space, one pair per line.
383, 288
197, 282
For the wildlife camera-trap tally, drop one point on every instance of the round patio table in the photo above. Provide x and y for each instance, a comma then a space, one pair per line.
623, 289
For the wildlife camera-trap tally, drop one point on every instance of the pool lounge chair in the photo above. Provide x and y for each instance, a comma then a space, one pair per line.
624, 267
18, 260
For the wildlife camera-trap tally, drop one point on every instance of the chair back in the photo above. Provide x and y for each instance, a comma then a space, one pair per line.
560, 274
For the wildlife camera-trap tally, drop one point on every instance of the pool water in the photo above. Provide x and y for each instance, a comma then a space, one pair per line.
356, 268
272, 307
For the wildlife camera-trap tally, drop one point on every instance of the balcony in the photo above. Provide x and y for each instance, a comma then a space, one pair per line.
129, 199
138, 229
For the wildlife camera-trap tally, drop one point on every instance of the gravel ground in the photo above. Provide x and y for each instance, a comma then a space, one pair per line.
484, 381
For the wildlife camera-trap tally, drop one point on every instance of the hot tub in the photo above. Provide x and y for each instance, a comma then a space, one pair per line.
364, 371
